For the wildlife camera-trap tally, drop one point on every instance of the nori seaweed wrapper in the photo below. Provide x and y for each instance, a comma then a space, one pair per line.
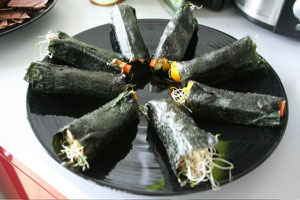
234, 107
178, 132
127, 33
226, 63
156, 146
177, 35
50, 78
97, 129
83, 56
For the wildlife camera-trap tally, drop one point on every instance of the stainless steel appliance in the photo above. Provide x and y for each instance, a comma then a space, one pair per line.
280, 16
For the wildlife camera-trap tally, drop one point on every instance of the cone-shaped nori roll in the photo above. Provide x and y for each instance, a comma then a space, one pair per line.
50, 78
127, 34
175, 38
179, 134
226, 63
86, 136
234, 107
83, 56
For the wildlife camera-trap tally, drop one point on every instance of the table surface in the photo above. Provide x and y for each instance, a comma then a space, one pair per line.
277, 177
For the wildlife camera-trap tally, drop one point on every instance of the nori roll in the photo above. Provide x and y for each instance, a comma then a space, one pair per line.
233, 107
191, 151
127, 34
226, 63
175, 38
50, 78
83, 56
80, 141
126, 38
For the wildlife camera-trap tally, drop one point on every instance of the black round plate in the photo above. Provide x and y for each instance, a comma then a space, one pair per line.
129, 164
34, 15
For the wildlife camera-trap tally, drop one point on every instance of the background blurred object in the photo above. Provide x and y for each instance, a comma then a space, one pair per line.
173, 5
13, 12
211, 4
106, 2
19, 182
2, 195
296, 11
276, 15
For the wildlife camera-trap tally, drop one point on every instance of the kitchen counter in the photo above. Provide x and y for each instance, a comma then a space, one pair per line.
277, 177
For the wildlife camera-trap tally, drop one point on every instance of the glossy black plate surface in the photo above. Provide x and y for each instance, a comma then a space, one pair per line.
129, 163
34, 15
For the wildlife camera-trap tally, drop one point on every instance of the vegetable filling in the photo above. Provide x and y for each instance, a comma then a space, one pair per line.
158, 64
174, 72
197, 166
179, 95
125, 67
74, 152
282, 108
44, 50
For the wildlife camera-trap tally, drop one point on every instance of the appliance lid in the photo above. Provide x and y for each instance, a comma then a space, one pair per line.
265, 11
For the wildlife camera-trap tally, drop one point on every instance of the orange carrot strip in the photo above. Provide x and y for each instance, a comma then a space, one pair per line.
153, 62
126, 68
282, 108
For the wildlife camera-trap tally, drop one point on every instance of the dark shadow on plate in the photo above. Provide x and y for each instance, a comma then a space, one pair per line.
248, 83
244, 144
62, 104
54, 60
113, 153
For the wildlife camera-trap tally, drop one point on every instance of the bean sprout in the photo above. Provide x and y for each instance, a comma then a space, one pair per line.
44, 50
178, 95
255, 37
197, 166
193, 6
74, 152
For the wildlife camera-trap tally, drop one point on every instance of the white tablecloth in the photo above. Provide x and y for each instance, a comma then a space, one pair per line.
277, 177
